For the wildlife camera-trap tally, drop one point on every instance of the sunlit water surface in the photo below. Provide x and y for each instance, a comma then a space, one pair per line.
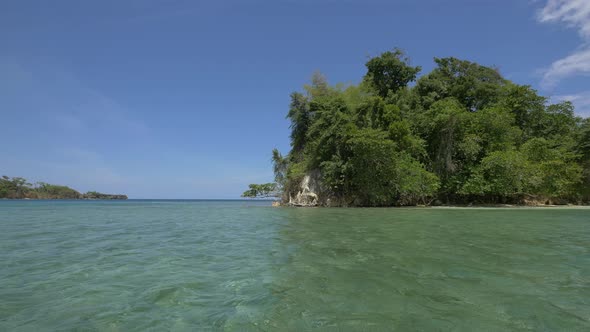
236, 265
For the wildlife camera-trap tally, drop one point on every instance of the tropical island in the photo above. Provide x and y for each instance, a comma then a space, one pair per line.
20, 188
461, 134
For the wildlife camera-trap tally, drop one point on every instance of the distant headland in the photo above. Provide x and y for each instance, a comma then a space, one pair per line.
20, 188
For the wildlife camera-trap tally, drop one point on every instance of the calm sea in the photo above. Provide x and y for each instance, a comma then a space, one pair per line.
246, 266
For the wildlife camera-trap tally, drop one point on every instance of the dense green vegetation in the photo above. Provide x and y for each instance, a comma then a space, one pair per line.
264, 190
20, 188
460, 134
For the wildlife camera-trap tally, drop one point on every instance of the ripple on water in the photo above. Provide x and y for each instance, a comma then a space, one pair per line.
195, 265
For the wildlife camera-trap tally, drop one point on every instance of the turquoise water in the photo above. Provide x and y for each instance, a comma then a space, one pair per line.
245, 266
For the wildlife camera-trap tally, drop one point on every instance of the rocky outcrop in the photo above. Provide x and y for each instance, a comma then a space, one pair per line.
95, 195
308, 193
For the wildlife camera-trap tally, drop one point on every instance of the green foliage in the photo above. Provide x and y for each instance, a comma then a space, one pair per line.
539, 149
372, 171
461, 133
300, 117
390, 72
415, 183
501, 173
537, 169
524, 103
15, 187
442, 127
19, 188
473, 85
558, 122
495, 127
583, 145
559, 178
280, 164
50, 191
371, 168
261, 190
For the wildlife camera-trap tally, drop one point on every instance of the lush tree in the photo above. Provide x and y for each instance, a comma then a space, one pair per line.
371, 168
375, 172
5, 187
443, 127
583, 150
473, 85
261, 190
390, 72
495, 129
300, 117
524, 103
583, 145
280, 164
558, 174
319, 86
558, 123
415, 184
502, 174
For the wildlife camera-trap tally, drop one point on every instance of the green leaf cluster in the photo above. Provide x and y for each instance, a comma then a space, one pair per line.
261, 190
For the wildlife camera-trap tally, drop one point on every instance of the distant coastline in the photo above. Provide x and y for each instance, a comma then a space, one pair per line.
19, 188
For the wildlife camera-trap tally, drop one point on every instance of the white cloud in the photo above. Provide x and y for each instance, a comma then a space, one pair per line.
574, 64
574, 14
580, 100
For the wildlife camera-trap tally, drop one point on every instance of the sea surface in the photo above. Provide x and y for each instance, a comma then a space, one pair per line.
246, 266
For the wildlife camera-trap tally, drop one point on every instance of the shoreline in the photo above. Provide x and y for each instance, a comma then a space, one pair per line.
64, 199
511, 206
471, 206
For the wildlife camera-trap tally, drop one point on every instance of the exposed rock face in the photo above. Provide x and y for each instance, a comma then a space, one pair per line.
309, 190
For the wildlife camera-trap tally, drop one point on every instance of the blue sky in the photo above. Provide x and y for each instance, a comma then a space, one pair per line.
186, 99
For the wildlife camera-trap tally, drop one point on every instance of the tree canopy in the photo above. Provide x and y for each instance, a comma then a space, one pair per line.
261, 191
20, 188
462, 133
